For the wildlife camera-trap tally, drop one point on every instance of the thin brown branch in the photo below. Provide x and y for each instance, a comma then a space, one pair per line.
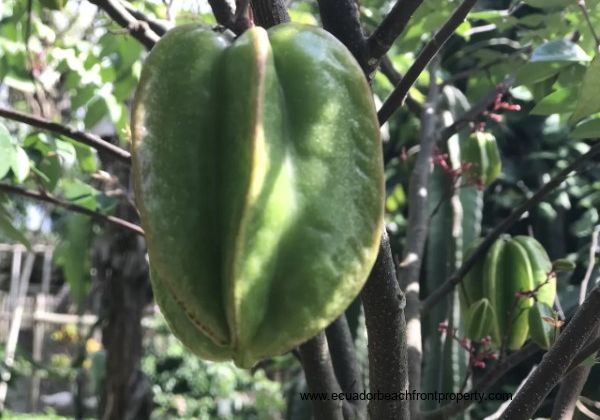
572, 384
77, 135
390, 28
488, 380
477, 110
583, 288
582, 6
320, 377
47, 198
396, 99
384, 303
557, 360
139, 29
506, 224
345, 365
387, 69
416, 235
341, 18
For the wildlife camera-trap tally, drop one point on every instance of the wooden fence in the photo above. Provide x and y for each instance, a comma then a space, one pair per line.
23, 307
28, 304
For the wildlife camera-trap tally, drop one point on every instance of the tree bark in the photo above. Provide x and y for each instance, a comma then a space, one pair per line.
384, 304
120, 261
269, 13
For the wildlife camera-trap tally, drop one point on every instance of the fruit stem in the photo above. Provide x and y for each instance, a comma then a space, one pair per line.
243, 18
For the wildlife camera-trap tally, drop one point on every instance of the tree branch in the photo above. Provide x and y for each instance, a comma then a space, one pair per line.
269, 13
569, 392
572, 384
156, 26
384, 303
47, 198
341, 18
387, 69
583, 288
586, 15
390, 28
506, 224
79, 136
345, 365
476, 111
487, 381
139, 29
382, 299
416, 235
492, 376
320, 377
591, 348
223, 12
557, 360
397, 97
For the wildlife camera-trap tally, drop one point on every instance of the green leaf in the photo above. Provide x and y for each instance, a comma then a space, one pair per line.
19, 83
559, 50
80, 193
50, 167
86, 157
42, 176
73, 255
53, 4
531, 73
396, 200
302, 16
96, 110
571, 75
589, 101
563, 265
546, 4
560, 101
585, 224
115, 109
541, 328
8, 229
590, 361
82, 95
108, 74
542, 89
122, 88
66, 153
122, 50
489, 15
587, 130
534, 20
20, 164
521, 93
6, 151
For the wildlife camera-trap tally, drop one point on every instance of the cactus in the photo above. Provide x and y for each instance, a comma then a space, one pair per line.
456, 224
